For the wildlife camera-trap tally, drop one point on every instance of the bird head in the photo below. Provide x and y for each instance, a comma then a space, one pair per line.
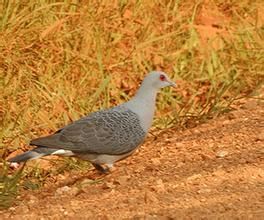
158, 80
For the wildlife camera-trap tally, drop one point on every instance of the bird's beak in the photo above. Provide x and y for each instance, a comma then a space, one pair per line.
173, 84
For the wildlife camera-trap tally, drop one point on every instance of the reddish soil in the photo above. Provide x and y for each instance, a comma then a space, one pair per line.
213, 171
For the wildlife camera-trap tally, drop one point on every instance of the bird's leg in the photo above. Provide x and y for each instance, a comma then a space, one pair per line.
101, 168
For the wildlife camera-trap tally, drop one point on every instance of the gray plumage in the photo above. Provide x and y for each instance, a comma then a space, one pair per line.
106, 136
114, 131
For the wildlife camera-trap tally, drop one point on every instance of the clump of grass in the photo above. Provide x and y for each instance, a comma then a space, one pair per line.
62, 60
35, 175
8, 185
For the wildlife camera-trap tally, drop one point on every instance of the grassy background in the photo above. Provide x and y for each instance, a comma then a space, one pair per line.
60, 60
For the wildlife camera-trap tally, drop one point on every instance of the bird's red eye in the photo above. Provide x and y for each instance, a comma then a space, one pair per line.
162, 77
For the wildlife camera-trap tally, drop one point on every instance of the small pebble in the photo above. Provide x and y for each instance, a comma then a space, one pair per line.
221, 154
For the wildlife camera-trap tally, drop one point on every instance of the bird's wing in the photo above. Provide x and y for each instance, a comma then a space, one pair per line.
114, 131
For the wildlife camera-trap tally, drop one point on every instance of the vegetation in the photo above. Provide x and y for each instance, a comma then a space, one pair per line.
60, 60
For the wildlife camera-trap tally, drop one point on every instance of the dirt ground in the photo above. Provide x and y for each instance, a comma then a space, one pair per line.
213, 171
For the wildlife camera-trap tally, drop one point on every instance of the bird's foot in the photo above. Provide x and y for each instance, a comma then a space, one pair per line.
104, 170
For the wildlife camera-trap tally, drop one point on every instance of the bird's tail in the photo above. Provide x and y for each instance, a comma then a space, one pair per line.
38, 153
29, 155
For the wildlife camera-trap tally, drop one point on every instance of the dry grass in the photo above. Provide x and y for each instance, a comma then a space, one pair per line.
60, 60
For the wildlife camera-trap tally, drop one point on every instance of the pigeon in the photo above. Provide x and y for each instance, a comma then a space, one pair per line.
106, 136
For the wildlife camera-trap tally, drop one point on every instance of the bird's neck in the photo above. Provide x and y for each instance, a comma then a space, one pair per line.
146, 95
143, 104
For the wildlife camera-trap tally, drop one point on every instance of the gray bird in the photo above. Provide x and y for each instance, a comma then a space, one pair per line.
106, 136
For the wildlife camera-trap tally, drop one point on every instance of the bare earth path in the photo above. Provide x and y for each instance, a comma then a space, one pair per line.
213, 171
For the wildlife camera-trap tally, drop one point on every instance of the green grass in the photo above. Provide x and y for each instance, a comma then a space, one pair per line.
8, 185
62, 60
